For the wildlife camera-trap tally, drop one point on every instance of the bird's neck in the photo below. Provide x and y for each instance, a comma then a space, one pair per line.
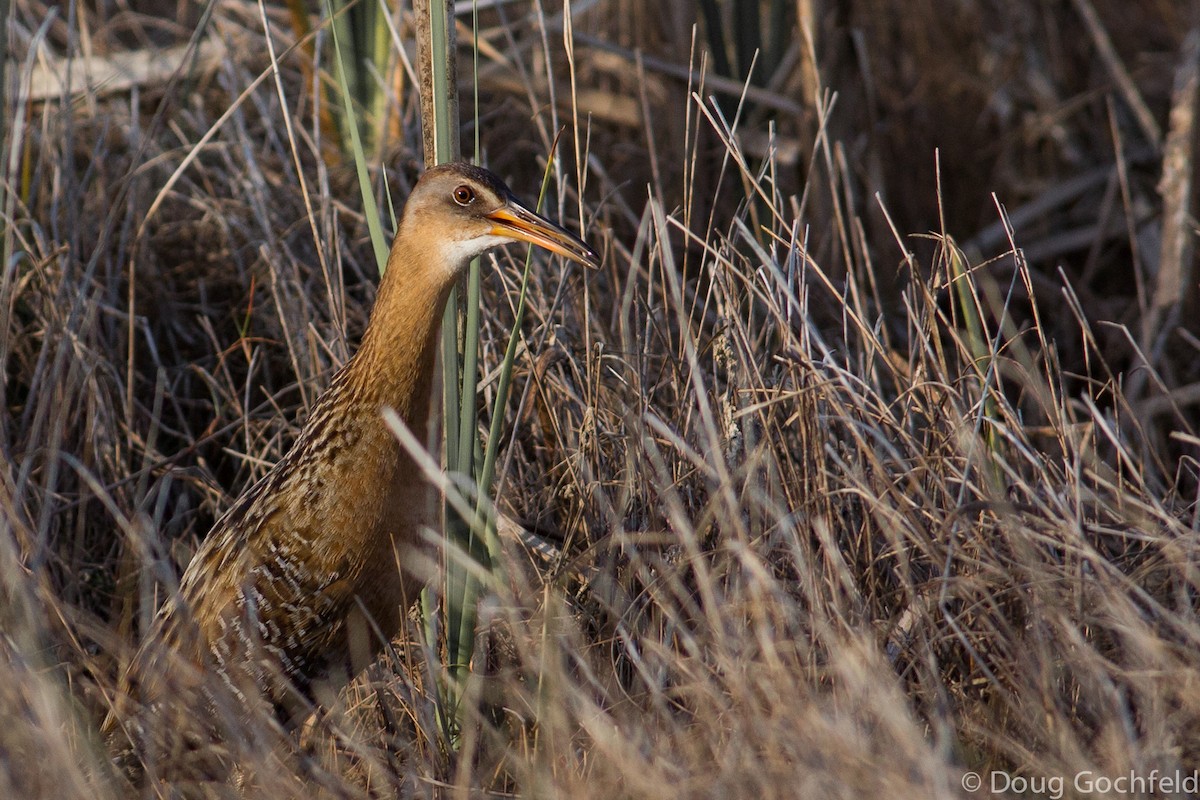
394, 364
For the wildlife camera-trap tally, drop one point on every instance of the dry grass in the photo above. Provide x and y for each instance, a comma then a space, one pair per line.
842, 511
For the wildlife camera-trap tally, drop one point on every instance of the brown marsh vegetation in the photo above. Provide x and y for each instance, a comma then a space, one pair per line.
869, 458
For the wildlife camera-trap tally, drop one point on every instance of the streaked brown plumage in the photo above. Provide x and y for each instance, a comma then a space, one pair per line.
323, 544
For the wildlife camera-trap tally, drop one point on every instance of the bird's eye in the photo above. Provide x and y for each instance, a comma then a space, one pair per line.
464, 195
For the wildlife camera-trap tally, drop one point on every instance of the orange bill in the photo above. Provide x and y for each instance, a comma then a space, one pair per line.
517, 222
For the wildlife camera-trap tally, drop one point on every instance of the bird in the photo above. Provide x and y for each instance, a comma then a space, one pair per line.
309, 573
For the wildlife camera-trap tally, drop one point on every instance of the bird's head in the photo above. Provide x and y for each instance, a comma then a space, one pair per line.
461, 211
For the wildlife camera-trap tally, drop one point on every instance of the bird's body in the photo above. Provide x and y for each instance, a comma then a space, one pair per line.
323, 536
312, 568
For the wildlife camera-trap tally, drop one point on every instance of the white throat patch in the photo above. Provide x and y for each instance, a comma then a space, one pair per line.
457, 252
